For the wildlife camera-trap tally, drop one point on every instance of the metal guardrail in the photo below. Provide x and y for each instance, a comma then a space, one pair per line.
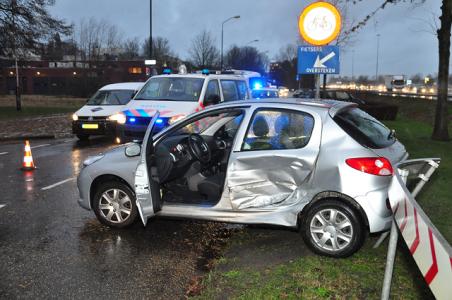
403, 95
430, 250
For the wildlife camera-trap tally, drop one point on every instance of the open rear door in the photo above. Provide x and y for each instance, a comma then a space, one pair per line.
147, 188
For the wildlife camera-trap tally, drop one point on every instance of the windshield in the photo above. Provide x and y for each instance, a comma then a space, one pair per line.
111, 97
398, 82
171, 89
365, 129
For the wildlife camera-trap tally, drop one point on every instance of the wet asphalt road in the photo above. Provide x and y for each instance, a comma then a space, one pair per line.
52, 248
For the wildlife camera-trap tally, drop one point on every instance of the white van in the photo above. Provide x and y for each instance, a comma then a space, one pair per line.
176, 96
99, 115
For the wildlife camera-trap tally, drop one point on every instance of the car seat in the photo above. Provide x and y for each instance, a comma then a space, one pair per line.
260, 130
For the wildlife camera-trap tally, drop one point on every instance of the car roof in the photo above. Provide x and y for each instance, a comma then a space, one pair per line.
329, 105
202, 76
123, 86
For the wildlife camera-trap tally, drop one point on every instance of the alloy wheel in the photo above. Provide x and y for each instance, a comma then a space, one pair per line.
115, 206
331, 229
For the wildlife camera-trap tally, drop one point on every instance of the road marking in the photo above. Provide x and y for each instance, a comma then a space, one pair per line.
57, 184
2, 205
3, 153
39, 146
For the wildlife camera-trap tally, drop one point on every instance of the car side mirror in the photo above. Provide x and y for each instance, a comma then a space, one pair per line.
133, 150
212, 100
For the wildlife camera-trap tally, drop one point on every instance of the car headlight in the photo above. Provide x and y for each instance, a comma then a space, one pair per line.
74, 117
92, 159
120, 118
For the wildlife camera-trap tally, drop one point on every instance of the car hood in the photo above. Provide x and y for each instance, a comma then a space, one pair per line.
99, 110
167, 109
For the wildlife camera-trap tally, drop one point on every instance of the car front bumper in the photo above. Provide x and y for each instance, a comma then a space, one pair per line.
95, 127
84, 182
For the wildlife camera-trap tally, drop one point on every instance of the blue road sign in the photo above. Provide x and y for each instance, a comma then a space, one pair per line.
318, 60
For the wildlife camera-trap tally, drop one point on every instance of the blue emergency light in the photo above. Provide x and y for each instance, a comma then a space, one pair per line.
167, 71
159, 121
205, 71
256, 83
132, 120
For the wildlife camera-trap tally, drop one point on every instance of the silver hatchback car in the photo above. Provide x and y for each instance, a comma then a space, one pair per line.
323, 167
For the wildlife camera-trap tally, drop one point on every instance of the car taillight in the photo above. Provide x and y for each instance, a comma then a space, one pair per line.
379, 166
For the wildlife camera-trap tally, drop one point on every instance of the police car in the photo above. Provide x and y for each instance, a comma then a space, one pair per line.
175, 96
99, 115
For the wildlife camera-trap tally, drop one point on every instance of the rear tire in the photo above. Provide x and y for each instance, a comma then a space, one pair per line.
83, 137
114, 205
332, 228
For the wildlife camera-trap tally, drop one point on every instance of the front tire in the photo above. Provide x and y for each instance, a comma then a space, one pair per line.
333, 228
114, 205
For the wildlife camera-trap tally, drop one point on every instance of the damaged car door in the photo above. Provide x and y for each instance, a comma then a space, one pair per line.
147, 187
274, 160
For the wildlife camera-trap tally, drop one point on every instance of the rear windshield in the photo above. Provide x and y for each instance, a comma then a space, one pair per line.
364, 128
171, 89
111, 97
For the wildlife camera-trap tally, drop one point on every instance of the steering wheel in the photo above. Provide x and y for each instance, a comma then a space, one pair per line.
199, 148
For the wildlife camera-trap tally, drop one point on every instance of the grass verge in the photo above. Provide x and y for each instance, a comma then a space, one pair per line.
9, 113
316, 277
38, 105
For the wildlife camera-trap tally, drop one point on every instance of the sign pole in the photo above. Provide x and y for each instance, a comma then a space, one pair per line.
317, 86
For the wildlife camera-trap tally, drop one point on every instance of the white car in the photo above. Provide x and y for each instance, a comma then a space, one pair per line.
99, 115
176, 96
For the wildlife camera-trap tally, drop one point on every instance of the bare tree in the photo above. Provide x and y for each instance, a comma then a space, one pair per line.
97, 38
346, 37
246, 58
26, 25
130, 49
203, 52
161, 51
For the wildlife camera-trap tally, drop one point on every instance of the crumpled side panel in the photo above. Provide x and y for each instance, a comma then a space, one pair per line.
259, 182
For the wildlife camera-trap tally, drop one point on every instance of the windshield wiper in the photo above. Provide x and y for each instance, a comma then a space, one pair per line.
391, 134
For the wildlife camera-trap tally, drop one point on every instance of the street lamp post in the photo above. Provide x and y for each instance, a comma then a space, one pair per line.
222, 37
378, 50
150, 29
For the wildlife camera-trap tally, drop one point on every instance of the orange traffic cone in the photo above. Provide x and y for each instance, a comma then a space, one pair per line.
28, 163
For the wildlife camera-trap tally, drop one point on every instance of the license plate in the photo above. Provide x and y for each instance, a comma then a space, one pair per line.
90, 126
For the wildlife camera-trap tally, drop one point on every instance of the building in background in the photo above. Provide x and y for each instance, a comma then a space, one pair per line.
74, 78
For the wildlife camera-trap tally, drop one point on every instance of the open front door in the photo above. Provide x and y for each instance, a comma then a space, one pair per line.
147, 187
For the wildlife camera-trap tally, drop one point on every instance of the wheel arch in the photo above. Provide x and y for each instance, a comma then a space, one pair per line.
337, 196
103, 179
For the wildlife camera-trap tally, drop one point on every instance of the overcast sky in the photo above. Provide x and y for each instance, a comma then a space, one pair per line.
405, 46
